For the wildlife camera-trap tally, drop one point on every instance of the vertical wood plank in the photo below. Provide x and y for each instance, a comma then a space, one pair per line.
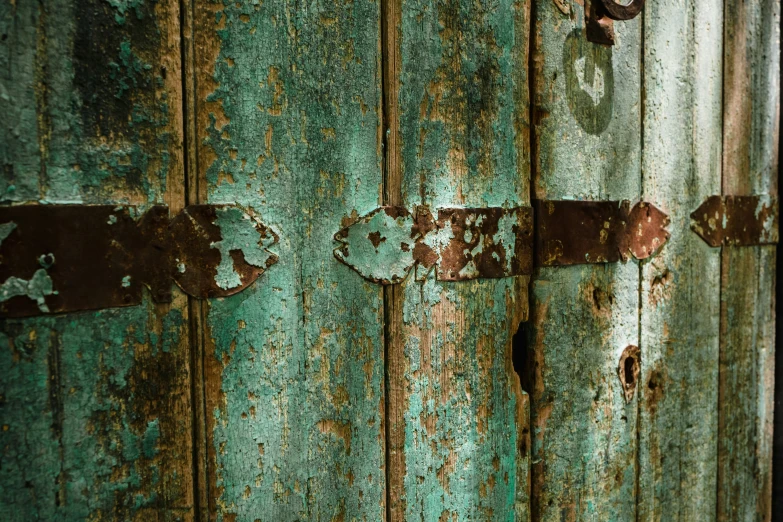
94, 406
456, 412
750, 162
680, 297
288, 114
587, 123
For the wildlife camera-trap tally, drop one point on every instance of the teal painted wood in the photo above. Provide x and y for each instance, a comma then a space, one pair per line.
587, 115
93, 406
462, 135
522, 504
680, 296
750, 161
288, 122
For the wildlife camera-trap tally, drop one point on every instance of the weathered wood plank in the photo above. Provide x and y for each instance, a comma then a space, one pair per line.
457, 446
587, 113
680, 296
288, 114
94, 406
750, 162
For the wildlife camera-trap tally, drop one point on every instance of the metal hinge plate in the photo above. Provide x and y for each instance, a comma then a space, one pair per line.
737, 220
471, 243
63, 258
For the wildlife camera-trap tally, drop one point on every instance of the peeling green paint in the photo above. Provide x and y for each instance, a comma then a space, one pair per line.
80, 124
104, 456
124, 7
290, 128
584, 434
6, 229
91, 403
239, 233
379, 246
680, 286
463, 105
36, 288
127, 70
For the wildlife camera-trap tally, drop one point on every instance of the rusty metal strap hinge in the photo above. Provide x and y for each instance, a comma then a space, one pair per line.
737, 220
471, 243
64, 258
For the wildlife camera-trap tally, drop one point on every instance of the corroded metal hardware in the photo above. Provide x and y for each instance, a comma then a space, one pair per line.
581, 232
64, 258
472, 243
461, 244
737, 220
601, 14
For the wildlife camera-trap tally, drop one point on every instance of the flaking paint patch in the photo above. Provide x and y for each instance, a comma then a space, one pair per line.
379, 246
5, 230
128, 70
90, 381
124, 8
458, 122
89, 401
443, 459
507, 237
311, 351
239, 233
36, 288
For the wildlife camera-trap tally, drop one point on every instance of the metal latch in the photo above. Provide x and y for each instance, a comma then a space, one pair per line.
63, 258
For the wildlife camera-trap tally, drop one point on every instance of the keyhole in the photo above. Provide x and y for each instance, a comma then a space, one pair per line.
628, 370
629, 376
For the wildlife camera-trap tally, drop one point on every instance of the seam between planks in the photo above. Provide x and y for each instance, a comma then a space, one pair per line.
195, 307
392, 195
640, 285
528, 377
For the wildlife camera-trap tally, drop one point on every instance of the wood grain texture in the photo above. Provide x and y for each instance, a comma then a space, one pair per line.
680, 295
288, 113
94, 406
587, 117
456, 412
750, 163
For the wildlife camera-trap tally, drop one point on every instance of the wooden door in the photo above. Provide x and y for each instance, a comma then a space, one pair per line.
636, 390
96, 421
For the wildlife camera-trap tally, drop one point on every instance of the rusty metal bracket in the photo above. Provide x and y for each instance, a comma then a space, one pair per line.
475, 243
737, 220
583, 232
64, 258
600, 16
461, 244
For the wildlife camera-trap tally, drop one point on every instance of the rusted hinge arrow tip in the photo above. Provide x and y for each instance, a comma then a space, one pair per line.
473, 243
586, 232
737, 220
